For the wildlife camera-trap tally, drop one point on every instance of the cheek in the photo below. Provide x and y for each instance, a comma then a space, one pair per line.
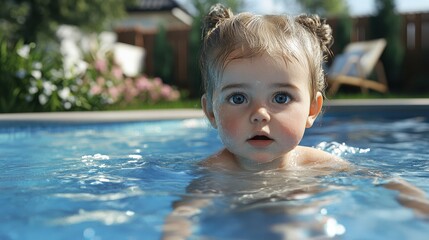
228, 123
292, 125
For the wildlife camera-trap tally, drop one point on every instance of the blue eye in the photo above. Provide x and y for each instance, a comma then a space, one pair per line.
237, 98
281, 98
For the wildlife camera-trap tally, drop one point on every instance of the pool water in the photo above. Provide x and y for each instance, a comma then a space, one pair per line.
119, 181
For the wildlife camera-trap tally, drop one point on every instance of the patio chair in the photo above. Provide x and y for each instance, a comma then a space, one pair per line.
354, 66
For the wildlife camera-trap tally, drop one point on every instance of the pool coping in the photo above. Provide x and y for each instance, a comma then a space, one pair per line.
105, 116
377, 105
171, 114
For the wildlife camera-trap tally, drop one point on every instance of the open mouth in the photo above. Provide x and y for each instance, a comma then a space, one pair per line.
260, 137
260, 141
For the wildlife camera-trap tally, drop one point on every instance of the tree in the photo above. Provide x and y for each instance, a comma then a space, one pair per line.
325, 7
342, 32
387, 24
163, 52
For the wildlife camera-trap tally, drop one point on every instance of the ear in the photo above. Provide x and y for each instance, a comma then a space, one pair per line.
315, 109
208, 111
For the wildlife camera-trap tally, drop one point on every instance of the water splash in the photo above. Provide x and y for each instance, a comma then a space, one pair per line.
97, 156
340, 149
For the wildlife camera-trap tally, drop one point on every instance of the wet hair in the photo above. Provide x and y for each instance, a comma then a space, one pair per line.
227, 37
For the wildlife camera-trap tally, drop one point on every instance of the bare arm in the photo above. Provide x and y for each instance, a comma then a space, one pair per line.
410, 196
178, 224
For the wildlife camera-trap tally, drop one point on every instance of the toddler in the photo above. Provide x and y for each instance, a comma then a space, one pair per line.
264, 85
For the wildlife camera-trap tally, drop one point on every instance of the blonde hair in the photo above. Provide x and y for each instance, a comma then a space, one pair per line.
227, 37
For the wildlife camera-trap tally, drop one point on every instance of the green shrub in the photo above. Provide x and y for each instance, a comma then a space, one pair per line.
33, 79
12, 66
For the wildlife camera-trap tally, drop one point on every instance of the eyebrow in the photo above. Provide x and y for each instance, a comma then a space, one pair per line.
234, 85
245, 85
285, 85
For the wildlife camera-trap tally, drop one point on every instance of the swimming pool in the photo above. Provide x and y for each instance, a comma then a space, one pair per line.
118, 180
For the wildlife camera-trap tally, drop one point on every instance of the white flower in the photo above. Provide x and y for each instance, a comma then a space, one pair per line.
80, 67
67, 105
64, 93
32, 90
36, 74
37, 65
74, 68
48, 88
56, 74
43, 99
71, 98
79, 81
24, 51
74, 88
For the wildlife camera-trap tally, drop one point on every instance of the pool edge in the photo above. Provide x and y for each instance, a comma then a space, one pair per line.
376, 105
331, 106
105, 116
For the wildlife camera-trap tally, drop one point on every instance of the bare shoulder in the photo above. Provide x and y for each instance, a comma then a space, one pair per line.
221, 160
308, 156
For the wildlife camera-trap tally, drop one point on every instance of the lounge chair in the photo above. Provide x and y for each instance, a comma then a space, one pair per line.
354, 66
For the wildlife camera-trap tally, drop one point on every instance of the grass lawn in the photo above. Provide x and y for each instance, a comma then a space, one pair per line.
186, 103
195, 103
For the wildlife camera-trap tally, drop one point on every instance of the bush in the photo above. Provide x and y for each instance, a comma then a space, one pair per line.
34, 79
108, 85
12, 67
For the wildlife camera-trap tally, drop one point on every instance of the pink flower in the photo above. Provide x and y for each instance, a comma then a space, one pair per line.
130, 92
166, 91
154, 95
157, 82
95, 90
175, 95
114, 92
117, 72
97, 86
142, 83
100, 65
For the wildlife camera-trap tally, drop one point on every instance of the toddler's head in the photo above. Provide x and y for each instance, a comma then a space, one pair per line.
302, 39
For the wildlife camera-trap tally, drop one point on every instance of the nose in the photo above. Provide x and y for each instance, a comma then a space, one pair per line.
260, 115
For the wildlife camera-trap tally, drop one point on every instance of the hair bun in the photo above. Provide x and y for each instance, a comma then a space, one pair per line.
319, 28
216, 15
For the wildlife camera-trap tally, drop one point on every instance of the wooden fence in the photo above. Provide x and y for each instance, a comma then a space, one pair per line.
178, 38
414, 36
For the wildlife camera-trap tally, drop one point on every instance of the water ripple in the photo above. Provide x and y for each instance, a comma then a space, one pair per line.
107, 217
129, 192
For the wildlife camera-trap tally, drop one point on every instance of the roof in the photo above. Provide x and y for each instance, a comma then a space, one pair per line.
149, 14
153, 5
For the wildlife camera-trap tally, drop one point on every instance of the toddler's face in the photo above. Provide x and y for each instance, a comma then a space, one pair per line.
261, 107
